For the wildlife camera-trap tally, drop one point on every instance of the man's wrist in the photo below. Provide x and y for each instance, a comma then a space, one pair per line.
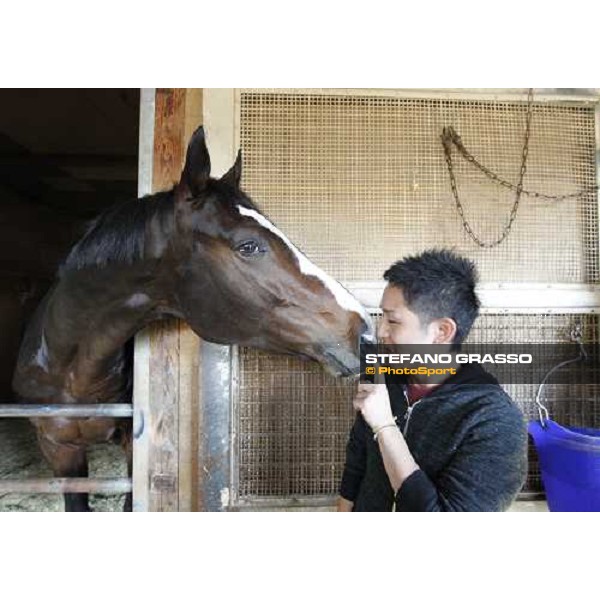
391, 422
388, 432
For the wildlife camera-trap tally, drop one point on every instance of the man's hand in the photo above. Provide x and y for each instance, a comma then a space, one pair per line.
344, 505
373, 401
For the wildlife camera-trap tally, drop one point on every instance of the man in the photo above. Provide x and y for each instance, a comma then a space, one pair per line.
459, 445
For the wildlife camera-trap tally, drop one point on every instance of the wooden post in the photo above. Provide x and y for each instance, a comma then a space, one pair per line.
190, 392
166, 383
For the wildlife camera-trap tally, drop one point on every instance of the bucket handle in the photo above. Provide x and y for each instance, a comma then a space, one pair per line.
576, 335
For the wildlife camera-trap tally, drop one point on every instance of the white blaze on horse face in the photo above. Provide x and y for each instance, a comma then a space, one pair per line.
343, 297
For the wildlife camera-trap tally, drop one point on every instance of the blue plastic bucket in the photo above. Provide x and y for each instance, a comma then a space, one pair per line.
570, 465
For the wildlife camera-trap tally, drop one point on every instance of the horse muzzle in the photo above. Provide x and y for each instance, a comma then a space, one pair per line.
340, 361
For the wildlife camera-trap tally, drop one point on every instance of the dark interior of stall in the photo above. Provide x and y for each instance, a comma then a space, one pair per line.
65, 156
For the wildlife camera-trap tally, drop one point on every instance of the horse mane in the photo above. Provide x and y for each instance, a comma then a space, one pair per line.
118, 235
230, 196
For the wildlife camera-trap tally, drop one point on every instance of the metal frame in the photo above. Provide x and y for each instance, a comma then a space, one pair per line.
597, 127
217, 361
287, 503
510, 297
554, 95
217, 434
234, 481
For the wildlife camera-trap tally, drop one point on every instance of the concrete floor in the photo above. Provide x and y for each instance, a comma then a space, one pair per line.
529, 506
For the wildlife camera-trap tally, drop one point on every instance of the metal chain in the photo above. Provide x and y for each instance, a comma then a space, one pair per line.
450, 138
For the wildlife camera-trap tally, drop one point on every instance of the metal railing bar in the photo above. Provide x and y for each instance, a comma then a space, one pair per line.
65, 410
62, 485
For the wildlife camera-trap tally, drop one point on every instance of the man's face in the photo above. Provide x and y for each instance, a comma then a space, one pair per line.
399, 325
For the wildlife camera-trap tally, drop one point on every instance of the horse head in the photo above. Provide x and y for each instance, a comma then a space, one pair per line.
240, 280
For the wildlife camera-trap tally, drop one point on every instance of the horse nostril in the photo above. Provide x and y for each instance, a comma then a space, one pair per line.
367, 334
368, 337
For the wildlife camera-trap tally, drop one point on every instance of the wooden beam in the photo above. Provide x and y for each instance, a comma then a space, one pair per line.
165, 467
190, 392
163, 461
141, 363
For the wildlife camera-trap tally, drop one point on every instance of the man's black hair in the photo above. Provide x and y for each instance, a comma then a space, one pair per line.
437, 284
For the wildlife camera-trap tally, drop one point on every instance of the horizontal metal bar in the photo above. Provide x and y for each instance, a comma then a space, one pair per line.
251, 502
510, 297
62, 485
554, 95
328, 502
66, 410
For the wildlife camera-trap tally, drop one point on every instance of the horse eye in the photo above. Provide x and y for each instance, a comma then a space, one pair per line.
249, 248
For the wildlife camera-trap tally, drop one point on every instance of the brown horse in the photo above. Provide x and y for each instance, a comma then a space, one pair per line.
202, 252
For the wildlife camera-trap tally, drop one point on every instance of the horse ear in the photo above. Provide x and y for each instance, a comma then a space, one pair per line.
197, 167
234, 175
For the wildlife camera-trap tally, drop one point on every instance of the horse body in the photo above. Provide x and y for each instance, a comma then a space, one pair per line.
78, 349
202, 252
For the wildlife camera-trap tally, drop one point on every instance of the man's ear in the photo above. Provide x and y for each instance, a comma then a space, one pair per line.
197, 167
234, 175
445, 330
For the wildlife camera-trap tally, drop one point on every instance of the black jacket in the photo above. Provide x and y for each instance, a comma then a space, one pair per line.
468, 438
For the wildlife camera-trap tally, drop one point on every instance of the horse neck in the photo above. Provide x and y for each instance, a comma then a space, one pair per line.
87, 318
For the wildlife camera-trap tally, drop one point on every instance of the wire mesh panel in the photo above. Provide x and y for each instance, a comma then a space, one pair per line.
359, 182
570, 405
292, 423
293, 419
